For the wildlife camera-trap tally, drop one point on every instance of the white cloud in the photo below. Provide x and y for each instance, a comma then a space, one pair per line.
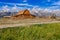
14, 9
26, 4
48, 0
5, 8
56, 3
24, 0
54, 7
20, 4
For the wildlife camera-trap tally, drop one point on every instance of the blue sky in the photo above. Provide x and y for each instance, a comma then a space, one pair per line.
49, 4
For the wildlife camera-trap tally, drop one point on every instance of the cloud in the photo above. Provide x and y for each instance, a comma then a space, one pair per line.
7, 3
56, 3
24, 0
19, 4
14, 9
54, 7
48, 0
26, 4
5, 8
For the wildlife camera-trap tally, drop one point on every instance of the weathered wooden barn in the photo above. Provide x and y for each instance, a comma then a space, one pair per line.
23, 14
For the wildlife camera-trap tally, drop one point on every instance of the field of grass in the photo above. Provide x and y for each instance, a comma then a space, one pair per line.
33, 32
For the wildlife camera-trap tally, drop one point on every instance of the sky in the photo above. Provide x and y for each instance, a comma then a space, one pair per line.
29, 4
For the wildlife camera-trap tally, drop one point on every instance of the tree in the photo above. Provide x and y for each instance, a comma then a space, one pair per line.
53, 16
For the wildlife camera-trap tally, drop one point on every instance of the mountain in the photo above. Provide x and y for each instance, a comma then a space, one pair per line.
30, 13
2, 14
44, 12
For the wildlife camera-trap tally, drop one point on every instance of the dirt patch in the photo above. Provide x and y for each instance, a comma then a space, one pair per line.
4, 23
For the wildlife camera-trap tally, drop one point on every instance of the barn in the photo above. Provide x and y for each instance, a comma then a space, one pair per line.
23, 14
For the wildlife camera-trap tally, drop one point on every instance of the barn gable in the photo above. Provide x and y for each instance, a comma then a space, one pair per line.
24, 14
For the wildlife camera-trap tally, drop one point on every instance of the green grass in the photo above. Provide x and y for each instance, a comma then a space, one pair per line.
33, 32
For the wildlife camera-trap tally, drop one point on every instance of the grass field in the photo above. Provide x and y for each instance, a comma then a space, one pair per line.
33, 32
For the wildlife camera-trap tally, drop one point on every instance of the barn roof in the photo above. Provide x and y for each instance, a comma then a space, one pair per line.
23, 12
